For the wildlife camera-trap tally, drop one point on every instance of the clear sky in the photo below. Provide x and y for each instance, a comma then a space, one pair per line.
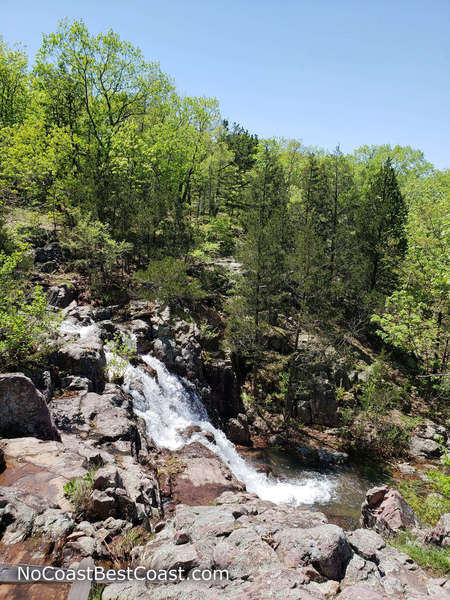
323, 71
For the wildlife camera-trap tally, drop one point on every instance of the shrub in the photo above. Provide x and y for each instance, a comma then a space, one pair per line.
122, 349
25, 324
378, 393
167, 281
79, 490
92, 250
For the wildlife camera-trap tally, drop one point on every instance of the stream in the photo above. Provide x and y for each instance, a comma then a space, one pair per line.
168, 407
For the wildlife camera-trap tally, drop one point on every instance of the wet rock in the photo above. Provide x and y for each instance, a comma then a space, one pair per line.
323, 405
82, 313
2, 460
107, 330
60, 296
328, 458
84, 357
224, 396
143, 335
23, 410
385, 510
74, 383
199, 476
238, 433
164, 350
440, 535
102, 314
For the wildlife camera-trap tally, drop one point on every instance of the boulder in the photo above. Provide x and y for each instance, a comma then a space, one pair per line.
18, 511
426, 440
324, 547
323, 405
74, 383
101, 505
103, 314
60, 296
440, 535
238, 433
385, 510
23, 410
164, 350
49, 252
142, 333
424, 448
84, 357
198, 476
366, 543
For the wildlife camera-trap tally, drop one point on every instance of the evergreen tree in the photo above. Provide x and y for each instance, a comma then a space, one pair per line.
381, 228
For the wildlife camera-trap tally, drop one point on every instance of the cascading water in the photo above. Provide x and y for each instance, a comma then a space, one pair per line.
169, 407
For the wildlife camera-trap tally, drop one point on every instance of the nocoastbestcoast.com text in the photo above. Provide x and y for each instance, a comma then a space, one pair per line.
100, 574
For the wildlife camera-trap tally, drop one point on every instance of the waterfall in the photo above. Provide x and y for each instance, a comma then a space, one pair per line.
168, 407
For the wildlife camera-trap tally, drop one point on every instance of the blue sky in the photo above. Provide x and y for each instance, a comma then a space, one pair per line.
323, 71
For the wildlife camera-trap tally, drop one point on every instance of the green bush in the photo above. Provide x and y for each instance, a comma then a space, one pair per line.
78, 490
25, 324
167, 281
378, 393
92, 250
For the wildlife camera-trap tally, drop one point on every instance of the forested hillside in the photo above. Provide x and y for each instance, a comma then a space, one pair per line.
202, 331
157, 195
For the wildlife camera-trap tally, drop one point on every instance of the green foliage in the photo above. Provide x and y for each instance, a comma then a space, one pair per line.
416, 314
431, 498
25, 325
430, 557
79, 489
121, 350
13, 84
378, 393
92, 250
167, 281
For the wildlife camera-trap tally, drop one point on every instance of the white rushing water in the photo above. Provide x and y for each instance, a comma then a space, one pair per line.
169, 407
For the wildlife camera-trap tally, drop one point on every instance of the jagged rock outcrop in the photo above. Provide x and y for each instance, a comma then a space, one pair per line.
440, 534
23, 410
427, 440
84, 357
386, 511
60, 296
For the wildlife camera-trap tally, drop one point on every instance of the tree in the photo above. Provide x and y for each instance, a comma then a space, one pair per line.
14, 91
381, 220
416, 316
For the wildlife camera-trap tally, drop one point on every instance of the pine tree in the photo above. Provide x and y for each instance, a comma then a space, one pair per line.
381, 228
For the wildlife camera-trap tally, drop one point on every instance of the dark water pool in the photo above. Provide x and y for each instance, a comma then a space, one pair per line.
349, 482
